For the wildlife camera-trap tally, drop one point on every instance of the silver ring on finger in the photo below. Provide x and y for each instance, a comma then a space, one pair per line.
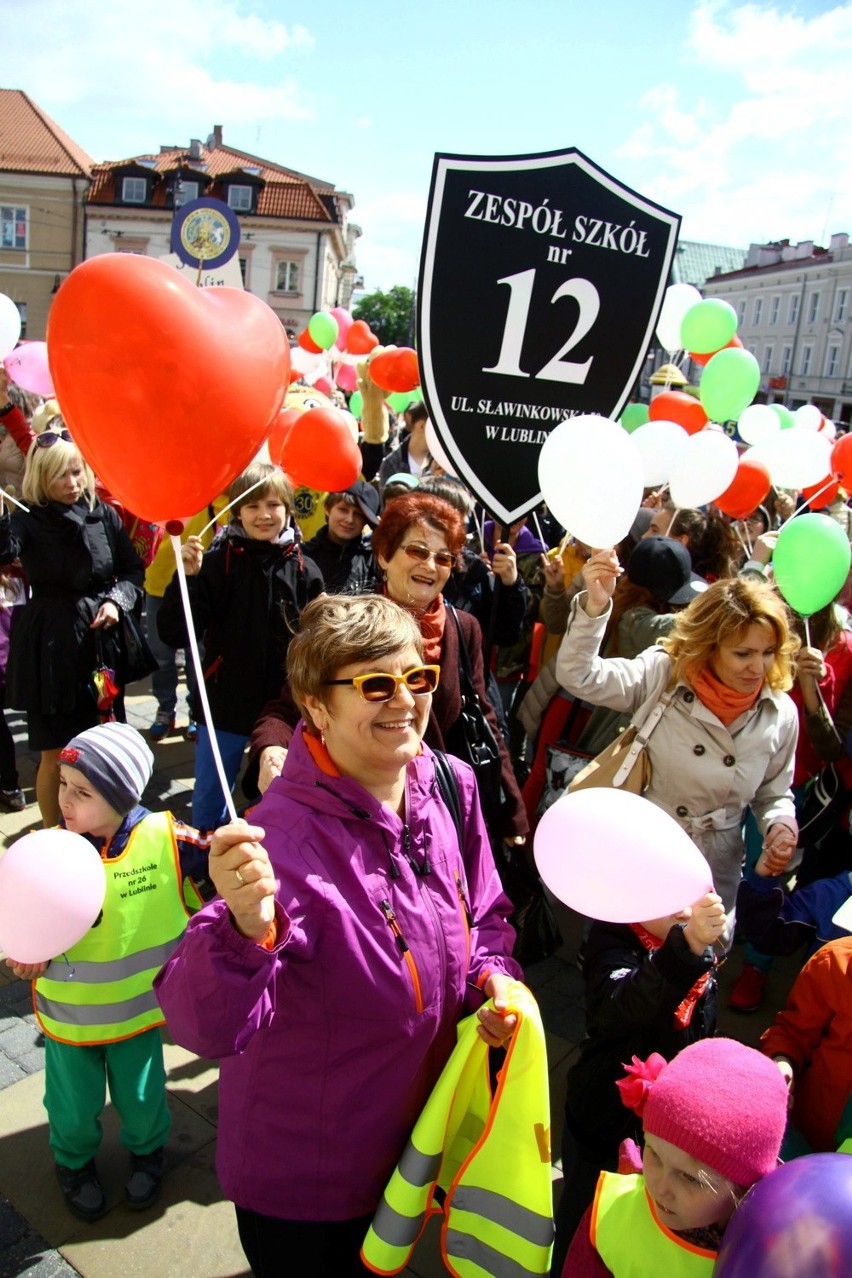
240, 878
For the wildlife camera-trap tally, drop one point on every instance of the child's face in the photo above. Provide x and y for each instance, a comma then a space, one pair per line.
678, 1187
263, 518
84, 811
345, 522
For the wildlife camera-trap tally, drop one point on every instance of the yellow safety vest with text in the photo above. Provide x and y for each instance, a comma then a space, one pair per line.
491, 1156
632, 1242
101, 990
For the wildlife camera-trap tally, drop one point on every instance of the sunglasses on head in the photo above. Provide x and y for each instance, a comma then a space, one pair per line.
416, 550
419, 680
48, 438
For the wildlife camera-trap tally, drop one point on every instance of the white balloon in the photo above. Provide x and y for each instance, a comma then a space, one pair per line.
808, 417
758, 423
703, 469
305, 362
677, 301
590, 473
659, 443
798, 458
828, 428
436, 448
10, 325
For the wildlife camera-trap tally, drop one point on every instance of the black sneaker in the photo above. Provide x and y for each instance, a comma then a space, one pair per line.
146, 1173
81, 1190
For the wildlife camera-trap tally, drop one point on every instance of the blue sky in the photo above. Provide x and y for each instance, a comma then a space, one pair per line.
737, 116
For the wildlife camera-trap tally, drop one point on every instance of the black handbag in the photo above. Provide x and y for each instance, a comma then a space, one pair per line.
135, 658
472, 739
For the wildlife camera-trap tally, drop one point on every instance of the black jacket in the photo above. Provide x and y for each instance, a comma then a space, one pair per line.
349, 569
245, 603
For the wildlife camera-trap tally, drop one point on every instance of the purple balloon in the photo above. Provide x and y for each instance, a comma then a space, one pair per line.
795, 1223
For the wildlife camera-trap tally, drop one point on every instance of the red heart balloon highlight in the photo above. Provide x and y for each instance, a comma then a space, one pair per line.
168, 390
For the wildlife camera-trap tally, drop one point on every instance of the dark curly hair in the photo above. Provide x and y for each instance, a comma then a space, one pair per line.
405, 512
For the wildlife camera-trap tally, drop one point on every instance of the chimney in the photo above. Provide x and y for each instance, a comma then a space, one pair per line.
839, 242
805, 248
195, 149
215, 138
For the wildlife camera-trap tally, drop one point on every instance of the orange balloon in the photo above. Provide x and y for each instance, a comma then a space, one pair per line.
841, 461
280, 431
396, 369
168, 390
320, 451
747, 489
307, 343
706, 358
818, 496
675, 406
360, 339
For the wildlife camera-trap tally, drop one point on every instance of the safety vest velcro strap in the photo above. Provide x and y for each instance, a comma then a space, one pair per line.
96, 1013
87, 972
464, 1247
488, 1205
419, 1169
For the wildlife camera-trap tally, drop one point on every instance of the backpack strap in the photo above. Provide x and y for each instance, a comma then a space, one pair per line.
449, 787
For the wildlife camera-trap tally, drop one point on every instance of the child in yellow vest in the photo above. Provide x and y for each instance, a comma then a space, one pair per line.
95, 1003
713, 1121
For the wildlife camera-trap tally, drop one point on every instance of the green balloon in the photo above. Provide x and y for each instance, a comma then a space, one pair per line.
399, 401
784, 416
728, 384
811, 562
323, 329
634, 416
356, 404
708, 326
415, 395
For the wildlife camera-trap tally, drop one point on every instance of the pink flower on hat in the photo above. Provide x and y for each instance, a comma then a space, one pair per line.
641, 1076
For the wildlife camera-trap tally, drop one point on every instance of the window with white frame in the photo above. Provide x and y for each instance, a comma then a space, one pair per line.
832, 361
286, 276
185, 193
793, 313
807, 356
134, 190
757, 314
13, 227
768, 352
786, 360
774, 308
239, 198
841, 305
813, 308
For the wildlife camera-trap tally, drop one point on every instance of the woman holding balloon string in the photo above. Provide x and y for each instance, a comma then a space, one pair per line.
727, 738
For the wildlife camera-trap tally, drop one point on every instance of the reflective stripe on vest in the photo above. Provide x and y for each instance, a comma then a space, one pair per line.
490, 1155
632, 1242
101, 990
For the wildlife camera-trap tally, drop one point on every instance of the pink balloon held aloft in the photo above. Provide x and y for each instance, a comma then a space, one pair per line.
615, 856
27, 367
52, 887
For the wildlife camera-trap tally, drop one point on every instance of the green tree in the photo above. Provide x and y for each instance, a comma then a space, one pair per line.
390, 315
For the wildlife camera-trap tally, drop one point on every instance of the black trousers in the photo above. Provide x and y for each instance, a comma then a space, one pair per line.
278, 1248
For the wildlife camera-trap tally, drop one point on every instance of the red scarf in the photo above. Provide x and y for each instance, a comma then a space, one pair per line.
431, 621
683, 1012
723, 701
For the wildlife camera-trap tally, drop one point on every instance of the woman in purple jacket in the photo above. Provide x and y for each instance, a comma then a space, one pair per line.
334, 1021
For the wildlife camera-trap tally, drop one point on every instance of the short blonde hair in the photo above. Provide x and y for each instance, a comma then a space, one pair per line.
335, 630
45, 465
243, 489
719, 616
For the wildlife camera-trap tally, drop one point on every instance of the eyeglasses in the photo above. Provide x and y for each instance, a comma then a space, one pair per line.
48, 438
419, 680
416, 550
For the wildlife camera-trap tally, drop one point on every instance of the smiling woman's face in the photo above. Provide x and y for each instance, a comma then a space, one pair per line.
413, 582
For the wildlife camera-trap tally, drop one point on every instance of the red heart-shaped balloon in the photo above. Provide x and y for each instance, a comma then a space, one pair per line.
396, 369
320, 452
360, 339
168, 390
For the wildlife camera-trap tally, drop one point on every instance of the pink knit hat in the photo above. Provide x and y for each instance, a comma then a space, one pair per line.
721, 1102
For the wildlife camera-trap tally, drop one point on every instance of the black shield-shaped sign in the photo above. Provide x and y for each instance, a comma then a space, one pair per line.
541, 281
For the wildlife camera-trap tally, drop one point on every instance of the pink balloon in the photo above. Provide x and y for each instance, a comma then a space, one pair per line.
323, 385
344, 323
346, 377
27, 367
614, 856
52, 887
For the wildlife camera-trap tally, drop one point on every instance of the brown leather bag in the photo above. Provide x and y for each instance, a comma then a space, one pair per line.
624, 764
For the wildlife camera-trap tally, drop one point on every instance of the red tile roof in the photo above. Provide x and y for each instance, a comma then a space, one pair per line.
30, 142
285, 193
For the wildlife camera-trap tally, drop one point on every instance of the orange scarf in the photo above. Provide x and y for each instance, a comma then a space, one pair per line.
723, 701
684, 1010
431, 621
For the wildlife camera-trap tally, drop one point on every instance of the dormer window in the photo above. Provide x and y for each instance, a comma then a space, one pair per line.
134, 190
185, 192
240, 198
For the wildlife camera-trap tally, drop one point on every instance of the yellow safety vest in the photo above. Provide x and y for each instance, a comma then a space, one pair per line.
632, 1242
491, 1155
102, 989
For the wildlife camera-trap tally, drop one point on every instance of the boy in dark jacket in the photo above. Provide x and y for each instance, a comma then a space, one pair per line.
340, 550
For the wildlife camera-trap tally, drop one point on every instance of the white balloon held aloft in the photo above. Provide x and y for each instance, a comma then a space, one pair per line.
615, 856
797, 458
52, 886
808, 417
436, 449
703, 469
758, 423
679, 298
590, 473
10, 325
659, 444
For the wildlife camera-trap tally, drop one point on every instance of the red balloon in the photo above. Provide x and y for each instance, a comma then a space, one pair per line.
360, 339
828, 490
323, 385
706, 358
750, 485
396, 369
307, 343
319, 451
841, 461
168, 389
676, 406
286, 420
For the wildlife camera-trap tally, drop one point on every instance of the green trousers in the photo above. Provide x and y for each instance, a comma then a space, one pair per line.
75, 1093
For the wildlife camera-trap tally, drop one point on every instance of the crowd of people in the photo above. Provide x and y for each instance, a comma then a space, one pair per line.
399, 692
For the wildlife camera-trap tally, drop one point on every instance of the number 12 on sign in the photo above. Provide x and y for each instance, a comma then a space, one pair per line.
517, 317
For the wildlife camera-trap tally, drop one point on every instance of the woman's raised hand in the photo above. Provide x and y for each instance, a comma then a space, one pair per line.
242, 875
600, 573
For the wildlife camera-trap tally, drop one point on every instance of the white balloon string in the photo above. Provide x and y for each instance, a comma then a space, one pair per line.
828, 483
742, 537
8, 497
538, 529
242, 496
807, 631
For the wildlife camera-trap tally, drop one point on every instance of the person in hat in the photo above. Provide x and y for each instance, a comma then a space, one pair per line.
95, 1003
340, 550
400, 483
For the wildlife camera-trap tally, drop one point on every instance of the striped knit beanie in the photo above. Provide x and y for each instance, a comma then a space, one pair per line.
115, 759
